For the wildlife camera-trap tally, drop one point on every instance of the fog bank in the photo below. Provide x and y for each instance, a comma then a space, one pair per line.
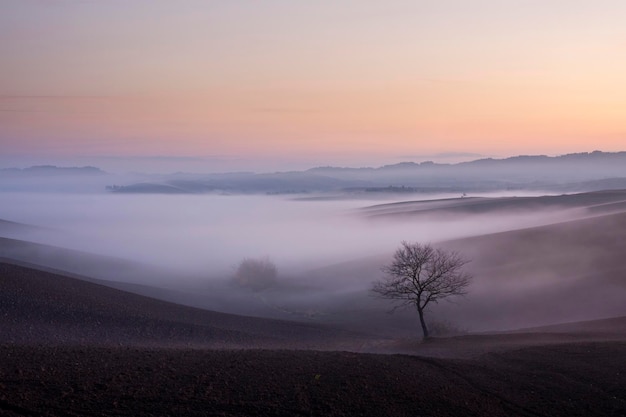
328, 252
212, 233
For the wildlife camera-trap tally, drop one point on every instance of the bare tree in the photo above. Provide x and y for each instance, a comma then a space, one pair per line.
420, 275
256, 274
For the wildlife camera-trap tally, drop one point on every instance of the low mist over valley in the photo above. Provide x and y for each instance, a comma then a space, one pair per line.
536, 256
284, 265
273, 294
117, 295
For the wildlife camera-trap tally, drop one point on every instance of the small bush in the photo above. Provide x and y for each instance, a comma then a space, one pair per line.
256, 274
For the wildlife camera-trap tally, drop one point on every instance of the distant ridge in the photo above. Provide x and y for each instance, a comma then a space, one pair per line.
579, 157
400, 165
576, 172
46, 170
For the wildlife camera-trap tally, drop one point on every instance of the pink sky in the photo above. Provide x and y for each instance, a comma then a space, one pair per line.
309, 83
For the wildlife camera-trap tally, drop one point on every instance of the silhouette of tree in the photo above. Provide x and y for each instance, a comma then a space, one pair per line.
420, 275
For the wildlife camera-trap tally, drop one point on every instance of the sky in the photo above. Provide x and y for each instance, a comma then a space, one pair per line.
278, 84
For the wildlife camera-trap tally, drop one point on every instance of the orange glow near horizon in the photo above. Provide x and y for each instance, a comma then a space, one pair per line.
275, 79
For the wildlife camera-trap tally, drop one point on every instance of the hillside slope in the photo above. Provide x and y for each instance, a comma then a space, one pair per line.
43, 308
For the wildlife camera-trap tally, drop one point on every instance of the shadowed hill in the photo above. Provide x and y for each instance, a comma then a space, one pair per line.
71, 261
615, 326
602, 201
40, 307
70, 347
584, 248
15, 227
562, 272
139, 357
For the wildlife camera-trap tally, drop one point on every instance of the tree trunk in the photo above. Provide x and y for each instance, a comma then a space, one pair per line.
420, 311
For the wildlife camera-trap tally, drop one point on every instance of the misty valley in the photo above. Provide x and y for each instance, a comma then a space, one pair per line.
536, 260
159, 285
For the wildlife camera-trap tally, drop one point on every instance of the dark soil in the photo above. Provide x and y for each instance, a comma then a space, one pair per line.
41, 307
563, 380
74, 348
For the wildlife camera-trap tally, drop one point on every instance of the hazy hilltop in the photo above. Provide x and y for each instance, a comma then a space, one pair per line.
578, 172
46, 170
567, 173
570, 167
